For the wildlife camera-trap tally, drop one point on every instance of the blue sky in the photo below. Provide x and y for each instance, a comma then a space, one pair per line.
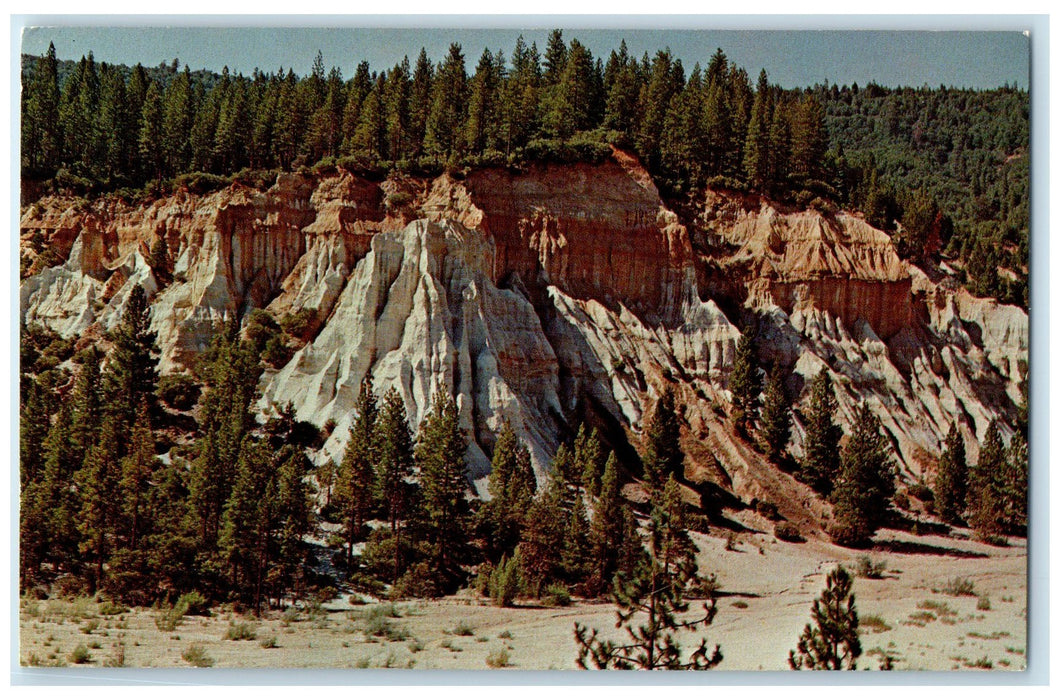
977, 59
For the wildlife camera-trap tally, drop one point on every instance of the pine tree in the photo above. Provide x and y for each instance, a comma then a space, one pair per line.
541, 547
150, 142
178, 115
588, 459
607, 531
356, 477
230, 370
555, 58
41, 135
512, 485
656, 591
745, 383
98, 485
951, 479
243, 541
866, 484
448, 105
132, 369
775, 428
395, 467
1015, 485
574, 560
419, 103
292, 522
480, 126
662, 455
986, 486
757, 147
820, 463
441, 450
834, 644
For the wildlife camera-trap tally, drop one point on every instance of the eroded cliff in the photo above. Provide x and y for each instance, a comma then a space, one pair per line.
545, 296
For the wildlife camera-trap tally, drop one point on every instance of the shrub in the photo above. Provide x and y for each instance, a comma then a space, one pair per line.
788, 533
196, 655
958, 587
241, 631
504, 582
80, 655
921, 492
109, 607
874, 623
194, 603
767, 510
556, 596
269, 643
178, 391
983, 603
169, 619
498, 658
297, 325
463, 629
90, 626
869, 568
398, 199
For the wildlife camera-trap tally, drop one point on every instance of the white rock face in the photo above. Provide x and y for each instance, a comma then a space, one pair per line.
420, 312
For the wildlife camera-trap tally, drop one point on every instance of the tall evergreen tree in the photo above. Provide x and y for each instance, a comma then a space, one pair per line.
356, 477
775, 428
986, 488
448, 105
512, 485
132, 368
820, 462
745, 383
866, 484
41, 135
395, 467
441, 449
951, 479
663, 456
608, 531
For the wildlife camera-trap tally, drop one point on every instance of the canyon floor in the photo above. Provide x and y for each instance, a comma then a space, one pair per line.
766, 589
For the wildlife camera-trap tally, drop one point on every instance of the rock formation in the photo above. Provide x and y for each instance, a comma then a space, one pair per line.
545, 296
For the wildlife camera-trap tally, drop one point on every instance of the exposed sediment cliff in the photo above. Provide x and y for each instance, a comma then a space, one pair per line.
545, 296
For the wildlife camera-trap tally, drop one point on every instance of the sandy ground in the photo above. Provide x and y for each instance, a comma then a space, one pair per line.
766, 590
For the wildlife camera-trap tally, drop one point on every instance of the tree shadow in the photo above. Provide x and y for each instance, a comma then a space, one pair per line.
902, 547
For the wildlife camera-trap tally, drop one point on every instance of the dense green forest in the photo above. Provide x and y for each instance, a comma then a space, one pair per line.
946, 171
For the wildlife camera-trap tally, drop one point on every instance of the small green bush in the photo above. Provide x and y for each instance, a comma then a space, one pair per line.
109, 607
556, 596
787, 533
869, 568
196, 655
921, 492
269, 643
983, 603
80, 655
959, 587
463, 629
241, 631
498, 658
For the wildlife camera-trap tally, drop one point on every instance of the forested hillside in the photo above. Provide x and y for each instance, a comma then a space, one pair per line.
948, 169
